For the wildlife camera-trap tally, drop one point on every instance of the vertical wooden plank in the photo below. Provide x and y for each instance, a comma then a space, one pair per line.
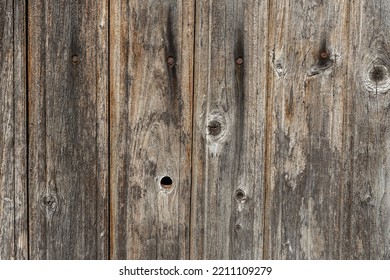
13, 188
151, 56
68, 148
306, 121
366, 197
229, 122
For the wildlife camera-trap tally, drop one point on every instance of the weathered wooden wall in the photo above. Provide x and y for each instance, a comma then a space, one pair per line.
237, 129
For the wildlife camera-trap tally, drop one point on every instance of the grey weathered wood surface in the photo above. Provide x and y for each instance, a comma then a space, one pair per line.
229, 125
365, 201
308, 50
151, 120
67, 125
270, 117
327, 196
13, 172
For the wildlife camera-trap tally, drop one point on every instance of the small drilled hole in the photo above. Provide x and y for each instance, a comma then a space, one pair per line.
166, 182
240, 195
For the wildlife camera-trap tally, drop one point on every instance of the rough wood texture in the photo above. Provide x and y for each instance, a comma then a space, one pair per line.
68, 148
151, 59
271, 118
328, 159
13, 188
305, 121
365, 200
229, 114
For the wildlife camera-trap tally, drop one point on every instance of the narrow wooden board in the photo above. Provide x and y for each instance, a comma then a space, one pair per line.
13, 159
67, 123
151, 56
365, 199
229, 130
305, 140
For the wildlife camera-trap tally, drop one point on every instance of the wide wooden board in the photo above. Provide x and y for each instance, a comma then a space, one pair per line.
229, 130
151, 56
67, 124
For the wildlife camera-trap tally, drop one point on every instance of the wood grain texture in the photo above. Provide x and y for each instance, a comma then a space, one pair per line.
13, 178
68, 148
306, 116
327, 196
365, 200
229, 121
271, 118
151, 55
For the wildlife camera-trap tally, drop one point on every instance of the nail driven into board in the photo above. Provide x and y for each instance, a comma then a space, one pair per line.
324, 55
171, 61
75, 59
239, 61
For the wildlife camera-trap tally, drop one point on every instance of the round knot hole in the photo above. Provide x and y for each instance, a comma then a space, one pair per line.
166, 182
378, 73
214, 128
240, 195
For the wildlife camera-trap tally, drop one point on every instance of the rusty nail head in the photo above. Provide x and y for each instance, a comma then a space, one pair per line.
239, 60
324, 54
171, 60
75, 58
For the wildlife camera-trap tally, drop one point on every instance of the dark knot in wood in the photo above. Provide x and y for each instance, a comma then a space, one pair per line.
378, 73
214, 128
49, 201
377, 80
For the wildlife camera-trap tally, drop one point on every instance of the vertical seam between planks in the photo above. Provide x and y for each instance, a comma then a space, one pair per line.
190, 235
267, 156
